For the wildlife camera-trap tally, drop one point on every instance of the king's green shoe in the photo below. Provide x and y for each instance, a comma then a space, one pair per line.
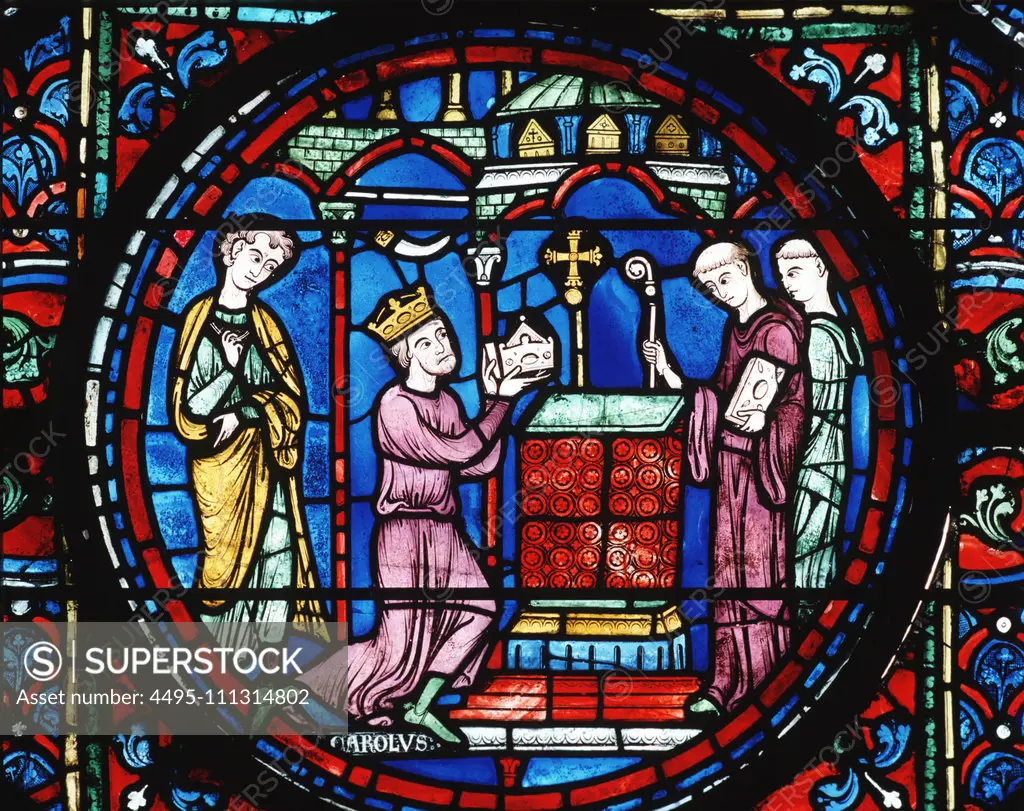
430, 722
703, 706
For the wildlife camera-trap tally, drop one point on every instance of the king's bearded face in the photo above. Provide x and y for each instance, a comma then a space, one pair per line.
431, 348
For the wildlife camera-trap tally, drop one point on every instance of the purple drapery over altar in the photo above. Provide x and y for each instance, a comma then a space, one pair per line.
426, 446
752, 479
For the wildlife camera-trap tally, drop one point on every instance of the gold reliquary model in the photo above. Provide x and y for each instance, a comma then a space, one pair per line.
526, 348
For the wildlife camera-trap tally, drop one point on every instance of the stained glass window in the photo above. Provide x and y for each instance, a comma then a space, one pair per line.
635, 389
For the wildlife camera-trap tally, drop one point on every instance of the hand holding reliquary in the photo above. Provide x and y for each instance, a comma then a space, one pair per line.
526, 357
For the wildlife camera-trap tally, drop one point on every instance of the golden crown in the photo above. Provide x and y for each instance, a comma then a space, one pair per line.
400, 312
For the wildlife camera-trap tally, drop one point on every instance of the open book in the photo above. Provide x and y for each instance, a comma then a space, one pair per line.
756, 390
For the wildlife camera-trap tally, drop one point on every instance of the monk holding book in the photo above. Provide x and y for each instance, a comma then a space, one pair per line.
744, 435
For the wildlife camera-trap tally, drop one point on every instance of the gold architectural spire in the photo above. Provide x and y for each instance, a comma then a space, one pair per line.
454, 110
535, 142
671, 137
386, 111
603, 136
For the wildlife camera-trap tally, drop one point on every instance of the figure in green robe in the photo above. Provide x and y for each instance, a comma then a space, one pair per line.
236, 400
834, 354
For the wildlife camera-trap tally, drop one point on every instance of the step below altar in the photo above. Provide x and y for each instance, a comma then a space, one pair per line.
599, 712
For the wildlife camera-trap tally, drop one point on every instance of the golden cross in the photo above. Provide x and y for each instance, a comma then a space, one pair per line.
574, 296
574, 258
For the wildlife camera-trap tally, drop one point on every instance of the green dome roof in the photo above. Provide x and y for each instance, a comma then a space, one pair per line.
563, 91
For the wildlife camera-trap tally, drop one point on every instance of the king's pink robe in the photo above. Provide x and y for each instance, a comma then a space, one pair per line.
752, 480
426, 446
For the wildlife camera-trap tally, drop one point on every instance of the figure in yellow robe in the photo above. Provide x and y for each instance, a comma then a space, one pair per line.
236, 401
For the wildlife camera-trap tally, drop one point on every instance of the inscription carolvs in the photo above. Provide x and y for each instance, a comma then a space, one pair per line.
375, 743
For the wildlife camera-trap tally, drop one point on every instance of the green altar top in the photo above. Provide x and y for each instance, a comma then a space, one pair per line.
605, 413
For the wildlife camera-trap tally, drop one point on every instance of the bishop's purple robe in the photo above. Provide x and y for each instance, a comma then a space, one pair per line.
752, 479
427, 447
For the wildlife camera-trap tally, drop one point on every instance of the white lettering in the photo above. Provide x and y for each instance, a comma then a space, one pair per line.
289, 660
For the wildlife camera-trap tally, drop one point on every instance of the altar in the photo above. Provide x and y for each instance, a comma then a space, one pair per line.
599, 480
599, 483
